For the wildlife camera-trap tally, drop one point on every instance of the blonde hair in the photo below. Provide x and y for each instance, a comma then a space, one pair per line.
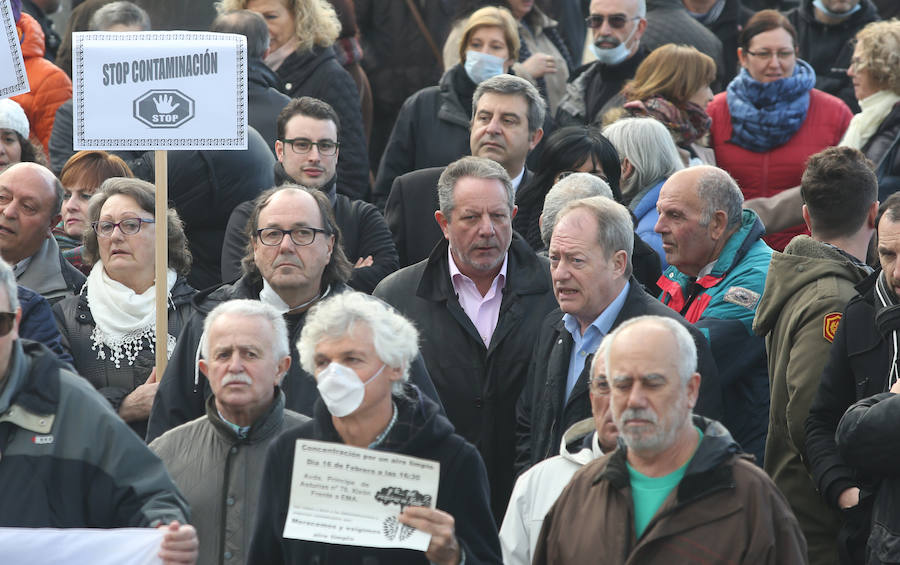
491, 16
674, 72
879, 44
316, 21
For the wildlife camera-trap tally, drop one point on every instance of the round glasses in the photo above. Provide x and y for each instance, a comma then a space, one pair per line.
300, 236
302, 145
128, 226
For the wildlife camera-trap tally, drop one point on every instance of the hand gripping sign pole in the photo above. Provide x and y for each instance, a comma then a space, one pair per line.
166, 90
162, 261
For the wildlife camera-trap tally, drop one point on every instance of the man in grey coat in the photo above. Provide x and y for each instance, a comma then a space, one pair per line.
217, 459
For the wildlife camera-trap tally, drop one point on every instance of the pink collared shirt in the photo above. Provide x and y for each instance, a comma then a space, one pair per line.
482, 310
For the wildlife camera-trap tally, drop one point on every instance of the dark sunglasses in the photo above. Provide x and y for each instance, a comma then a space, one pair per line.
7, 319
616, 21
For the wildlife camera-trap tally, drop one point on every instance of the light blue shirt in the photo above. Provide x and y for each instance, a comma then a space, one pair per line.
588, 343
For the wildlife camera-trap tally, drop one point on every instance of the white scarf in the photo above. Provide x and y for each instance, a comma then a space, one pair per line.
875, 109
268, 296
275, 58
123, 319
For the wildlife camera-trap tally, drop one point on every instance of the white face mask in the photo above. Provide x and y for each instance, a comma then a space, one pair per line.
482, 66
841, 15
615, 55
341, 389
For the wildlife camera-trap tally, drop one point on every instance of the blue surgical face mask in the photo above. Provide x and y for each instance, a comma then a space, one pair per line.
818, 4
482, 66
615, 55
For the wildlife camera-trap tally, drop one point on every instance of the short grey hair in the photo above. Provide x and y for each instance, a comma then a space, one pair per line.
120, 13
684, 343
650, 149
615, 230
718, 191
394, 338
475, 167
249, 24
8, 283
510, 84
249, 308
574, 187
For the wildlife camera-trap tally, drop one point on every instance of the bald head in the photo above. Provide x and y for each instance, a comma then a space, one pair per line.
30, 200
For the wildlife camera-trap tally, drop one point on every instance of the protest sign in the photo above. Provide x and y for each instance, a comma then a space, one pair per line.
352, 496
49, 546
159, 90
13, 79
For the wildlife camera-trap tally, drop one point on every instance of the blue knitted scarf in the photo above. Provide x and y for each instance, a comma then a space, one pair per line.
765, 115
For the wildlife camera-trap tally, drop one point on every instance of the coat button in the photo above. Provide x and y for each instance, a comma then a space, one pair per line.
234, 449
227, 555
479, 403
230, 501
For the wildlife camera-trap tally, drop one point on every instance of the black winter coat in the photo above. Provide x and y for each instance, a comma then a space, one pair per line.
265, 100
364, 232
183, 391
727, 27
828, 48
478, 385
883, 148
542, 416
867, 439
421, 430
432, 130
73, 316
318, 73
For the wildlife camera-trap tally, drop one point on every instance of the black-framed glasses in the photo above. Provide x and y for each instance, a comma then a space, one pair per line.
616, 21
128, 226
300, 236
7, 319
765, 55
302, 145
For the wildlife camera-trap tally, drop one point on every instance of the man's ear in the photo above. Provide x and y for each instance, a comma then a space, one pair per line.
279, 150
620, 261
718, 225
54, 221
872, 215
693, 390
805, 211
442, 222
283, 367
203, 365
536, 138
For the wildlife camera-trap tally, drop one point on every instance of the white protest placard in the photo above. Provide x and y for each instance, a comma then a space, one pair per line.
13, 79
50, 546
352, 496
159, 90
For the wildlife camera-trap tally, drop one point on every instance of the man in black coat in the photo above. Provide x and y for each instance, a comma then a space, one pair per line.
824, 40
477, 300
506, 125
862, 362
311, 124
591, 272
295, 259
725, 20
265, 98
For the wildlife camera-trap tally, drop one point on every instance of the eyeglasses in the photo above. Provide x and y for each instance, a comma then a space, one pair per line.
564, 174
599, 385
783, 55
302, 145
128, 226
616, 21
6, 322
300, 236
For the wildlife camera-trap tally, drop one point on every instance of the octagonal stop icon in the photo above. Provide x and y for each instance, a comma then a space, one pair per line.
164, 108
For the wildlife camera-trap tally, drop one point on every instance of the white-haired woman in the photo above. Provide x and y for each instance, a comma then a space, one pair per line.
359, 351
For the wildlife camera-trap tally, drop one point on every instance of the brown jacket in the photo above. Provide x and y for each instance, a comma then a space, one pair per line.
725, 510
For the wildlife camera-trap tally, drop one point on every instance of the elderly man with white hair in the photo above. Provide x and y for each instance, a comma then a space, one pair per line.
360, 350
678, 489
217, 459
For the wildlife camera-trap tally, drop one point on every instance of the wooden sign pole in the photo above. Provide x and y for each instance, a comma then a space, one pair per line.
162, 262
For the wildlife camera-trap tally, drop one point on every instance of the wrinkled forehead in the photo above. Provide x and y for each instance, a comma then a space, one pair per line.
610, 7
509, 104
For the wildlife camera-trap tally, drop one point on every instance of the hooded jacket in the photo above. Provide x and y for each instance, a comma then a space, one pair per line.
50, 85
318, 73
828, 47
724, 510
420, 431
68, 460
807, 288
220, 474
538, 488
722, 305
183, 391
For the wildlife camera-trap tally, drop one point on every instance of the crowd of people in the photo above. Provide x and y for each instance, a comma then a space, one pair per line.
626, 269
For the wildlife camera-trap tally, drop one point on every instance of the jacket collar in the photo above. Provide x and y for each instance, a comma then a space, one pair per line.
268, 424
526, 274
36, 398
451, 107
259, 73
